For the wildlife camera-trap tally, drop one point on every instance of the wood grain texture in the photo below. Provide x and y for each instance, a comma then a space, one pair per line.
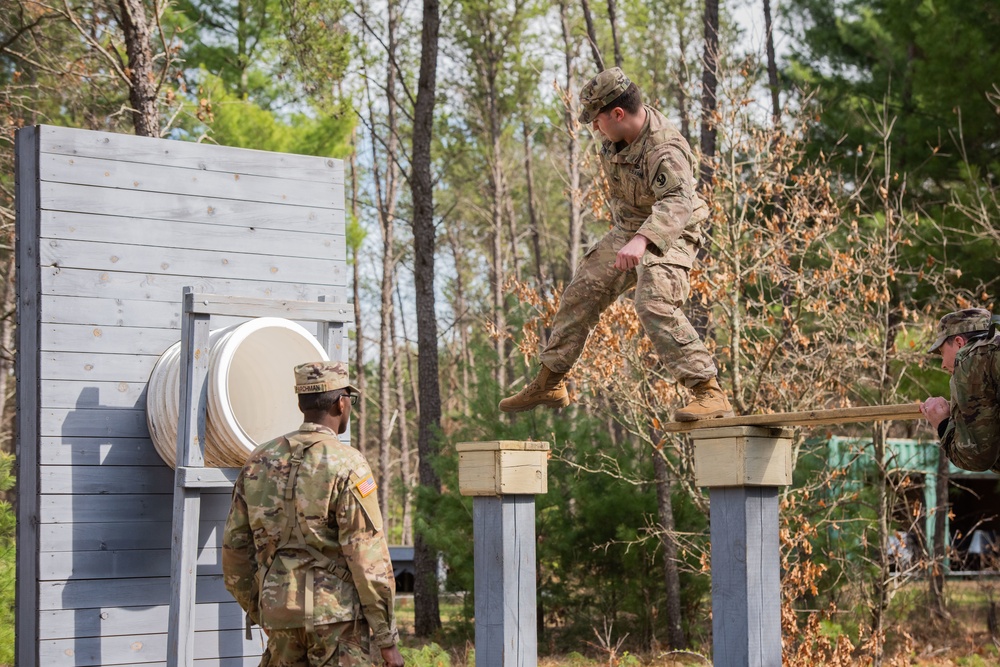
121, 535
504, 552
107, 172
97, 621
226, 264
123, 564
871, 413
167, 288
97, 451
127, 507
26, 368
129, 148
116, 650
746, 587
742, 460
106, 479
165, 207
122, 592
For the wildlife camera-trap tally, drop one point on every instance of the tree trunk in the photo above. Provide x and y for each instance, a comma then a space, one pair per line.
8, 323
612, 10
665, 507
427, 616
592, 36
360, 381
709, 84
935, 577
880, 601
460, 308
682, 82
572, 150
536, 235
387, 215
142, 77
497, 272
404, 428
772, 65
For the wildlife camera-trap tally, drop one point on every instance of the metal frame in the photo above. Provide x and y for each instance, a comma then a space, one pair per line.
191, 475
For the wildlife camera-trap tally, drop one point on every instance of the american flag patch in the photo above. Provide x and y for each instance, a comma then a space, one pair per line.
366, 486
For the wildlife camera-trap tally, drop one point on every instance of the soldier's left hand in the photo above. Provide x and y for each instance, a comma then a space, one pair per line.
631, 253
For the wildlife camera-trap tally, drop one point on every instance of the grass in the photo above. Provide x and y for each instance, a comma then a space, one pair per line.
965, 641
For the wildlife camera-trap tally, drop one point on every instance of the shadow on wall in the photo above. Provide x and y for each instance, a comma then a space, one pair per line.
106, 512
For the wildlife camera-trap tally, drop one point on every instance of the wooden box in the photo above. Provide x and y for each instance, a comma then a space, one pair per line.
502, 467
743, 456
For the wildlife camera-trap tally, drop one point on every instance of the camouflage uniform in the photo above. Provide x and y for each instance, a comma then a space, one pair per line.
304, 552
652, 193
971, 436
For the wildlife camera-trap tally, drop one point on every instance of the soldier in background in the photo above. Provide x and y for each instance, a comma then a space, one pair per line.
969, 424
304, 552
654, 241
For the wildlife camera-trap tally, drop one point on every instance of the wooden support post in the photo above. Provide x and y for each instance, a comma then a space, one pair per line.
743, 466
187, 501
504, 477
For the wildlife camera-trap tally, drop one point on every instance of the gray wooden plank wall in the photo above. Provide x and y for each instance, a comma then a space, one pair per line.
110, 229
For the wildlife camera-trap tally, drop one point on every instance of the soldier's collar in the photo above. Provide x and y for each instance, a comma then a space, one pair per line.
312, 427
632, 152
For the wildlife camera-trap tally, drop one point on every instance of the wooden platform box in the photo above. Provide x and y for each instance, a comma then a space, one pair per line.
502, 467
743, 456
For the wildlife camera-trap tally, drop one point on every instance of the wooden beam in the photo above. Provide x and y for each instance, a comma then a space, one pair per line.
871, 413
317, 311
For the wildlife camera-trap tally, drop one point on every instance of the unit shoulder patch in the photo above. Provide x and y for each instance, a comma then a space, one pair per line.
665, 179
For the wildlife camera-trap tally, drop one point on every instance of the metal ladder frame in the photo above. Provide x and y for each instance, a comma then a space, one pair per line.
191, 476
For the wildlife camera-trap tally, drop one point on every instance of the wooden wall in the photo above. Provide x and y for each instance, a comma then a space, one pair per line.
110, 228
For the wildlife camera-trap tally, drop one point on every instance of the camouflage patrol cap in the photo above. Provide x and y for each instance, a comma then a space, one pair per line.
319, 376
968, 321
601, 91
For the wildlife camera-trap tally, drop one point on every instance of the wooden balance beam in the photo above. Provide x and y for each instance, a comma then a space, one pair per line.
871, 413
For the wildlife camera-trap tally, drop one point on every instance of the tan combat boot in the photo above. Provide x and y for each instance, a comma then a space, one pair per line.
546, 389
709, 402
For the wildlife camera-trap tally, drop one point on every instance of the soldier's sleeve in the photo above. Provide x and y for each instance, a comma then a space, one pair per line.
239, 555
367, 552
670, 171
972, 438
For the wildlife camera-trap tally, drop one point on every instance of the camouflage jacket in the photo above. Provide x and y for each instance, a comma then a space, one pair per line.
971, 438
652, 189
335, 543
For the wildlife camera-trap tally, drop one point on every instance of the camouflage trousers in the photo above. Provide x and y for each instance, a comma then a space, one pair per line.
660, 290
329, 645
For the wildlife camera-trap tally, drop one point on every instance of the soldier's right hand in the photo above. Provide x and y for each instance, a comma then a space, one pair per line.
392, 656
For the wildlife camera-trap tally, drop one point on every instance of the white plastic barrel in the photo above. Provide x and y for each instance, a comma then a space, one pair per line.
251, 395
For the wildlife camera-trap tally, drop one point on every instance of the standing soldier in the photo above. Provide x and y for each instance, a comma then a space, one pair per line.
304, 552
652, 245
969, 424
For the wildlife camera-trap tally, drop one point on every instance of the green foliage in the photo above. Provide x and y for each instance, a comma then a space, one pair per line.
933, 62
234, 121
8, 552
430, 655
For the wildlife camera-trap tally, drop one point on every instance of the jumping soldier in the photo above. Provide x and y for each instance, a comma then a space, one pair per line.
654, 241
304, 552
969, 424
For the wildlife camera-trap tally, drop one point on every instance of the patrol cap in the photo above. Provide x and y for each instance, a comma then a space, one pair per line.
601, 91
970, 320
320, 376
